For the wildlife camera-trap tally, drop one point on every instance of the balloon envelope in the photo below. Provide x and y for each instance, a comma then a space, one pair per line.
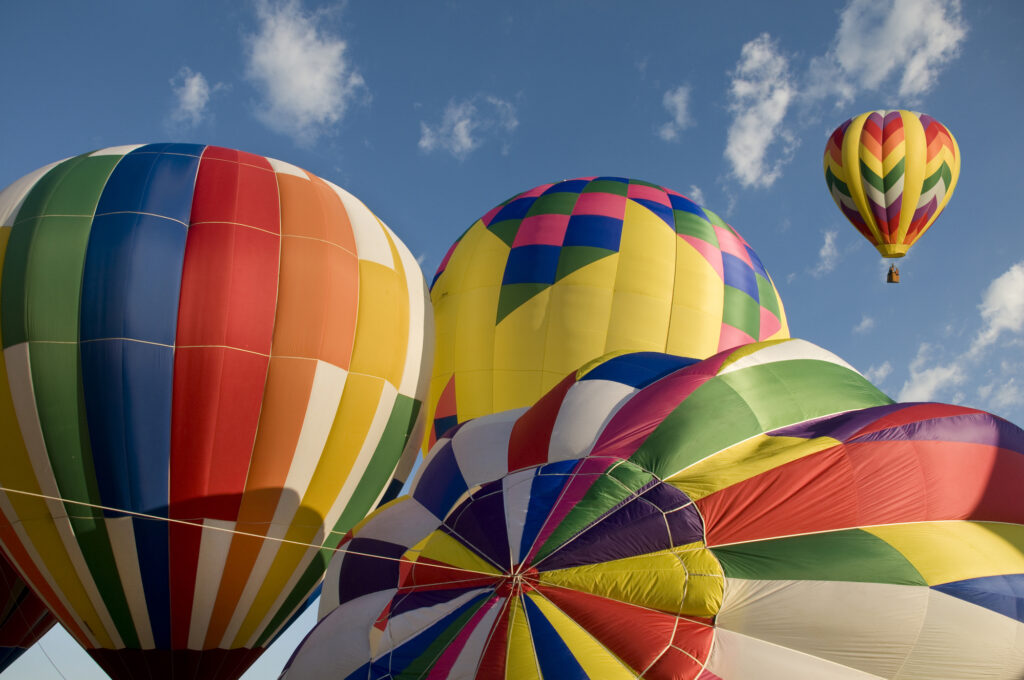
23, 616
216, 342
566, 272
764, 513
891, 173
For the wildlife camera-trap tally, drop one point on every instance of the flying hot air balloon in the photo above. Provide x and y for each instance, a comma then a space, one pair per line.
566, 272
764, 513
213, 362
891, 173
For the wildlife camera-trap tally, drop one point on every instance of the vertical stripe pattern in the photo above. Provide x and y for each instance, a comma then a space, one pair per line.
207, 336
891, 173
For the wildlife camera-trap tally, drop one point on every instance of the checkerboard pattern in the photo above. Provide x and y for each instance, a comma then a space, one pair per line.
556, 229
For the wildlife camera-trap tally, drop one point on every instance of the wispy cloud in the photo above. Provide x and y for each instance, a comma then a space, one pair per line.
759, 96
1002, 395
903, 44
191, 95
898, 48
302, 71
927, 378
828, 255
1001, 323
677, 102
696, 194
466, 123
877, 374
1002, 309
865, 325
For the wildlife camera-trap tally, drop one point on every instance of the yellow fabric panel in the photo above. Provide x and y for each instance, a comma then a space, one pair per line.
401, 329
521, 660
514, 389
696, 324
359, 403
475, 394
642, 305
446, 312
382, 326
479, 261
953, 551
473, 338
851, 174
744, 460
595, 659
519, 344
684, 580
16, 473
639, 322
464, 323
580, 309
916, 153
520, 338
443, 548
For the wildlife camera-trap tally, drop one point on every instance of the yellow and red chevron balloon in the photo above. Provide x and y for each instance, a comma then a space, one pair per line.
892, 173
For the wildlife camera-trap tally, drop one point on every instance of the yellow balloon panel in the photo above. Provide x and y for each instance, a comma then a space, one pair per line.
566, 272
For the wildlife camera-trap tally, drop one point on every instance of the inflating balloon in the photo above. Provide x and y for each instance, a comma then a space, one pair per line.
892, 173
212, 364
23, 616
566, 272
764, 513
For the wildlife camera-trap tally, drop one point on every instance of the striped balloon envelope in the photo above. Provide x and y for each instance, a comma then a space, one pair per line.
212, 364
763, 514
566, 272
23, 616
891, 173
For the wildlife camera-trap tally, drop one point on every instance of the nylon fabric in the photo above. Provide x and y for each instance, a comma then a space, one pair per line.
199, 333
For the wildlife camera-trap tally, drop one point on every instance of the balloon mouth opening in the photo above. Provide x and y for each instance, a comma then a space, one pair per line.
892, 250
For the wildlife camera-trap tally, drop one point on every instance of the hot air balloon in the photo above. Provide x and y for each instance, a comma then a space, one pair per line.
764, 513
566, 272
212, 364
891, 173
23, 616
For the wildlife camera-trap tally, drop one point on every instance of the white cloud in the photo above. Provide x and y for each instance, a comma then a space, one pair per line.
1002, 325
1002, 308
898, 47
760, 94
303, 73
1005, 396
876, 374
677, 102
828, 255
464, 124
192, 94
902, 44
926, 381
695, 194
865, 325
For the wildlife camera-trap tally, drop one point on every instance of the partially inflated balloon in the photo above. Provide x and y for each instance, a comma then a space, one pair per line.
566, 272
23, 616
892, 173
216, 342
764, 513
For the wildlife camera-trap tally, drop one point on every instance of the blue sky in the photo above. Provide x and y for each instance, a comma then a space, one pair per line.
434, 112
